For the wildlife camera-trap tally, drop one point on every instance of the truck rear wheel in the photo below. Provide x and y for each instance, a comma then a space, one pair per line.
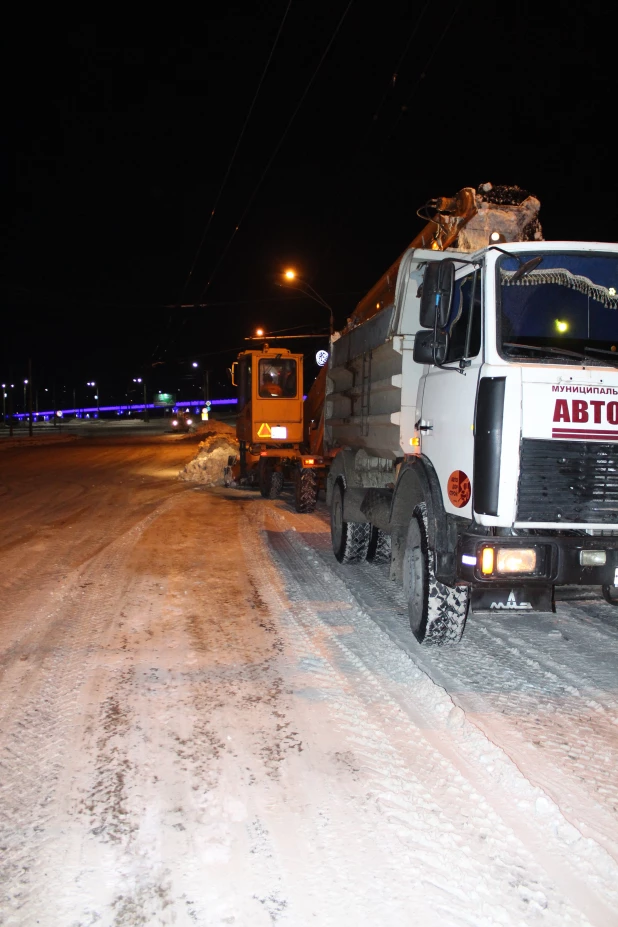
379, 550
306, 490
437, 612
271, 480
350, 538
610, 594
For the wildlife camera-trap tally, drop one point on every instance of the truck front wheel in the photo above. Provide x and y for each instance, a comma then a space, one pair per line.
437, 612
350, 538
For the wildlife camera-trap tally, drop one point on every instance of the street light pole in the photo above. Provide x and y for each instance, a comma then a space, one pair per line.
30, 395
142, 380
95, 385
303, 287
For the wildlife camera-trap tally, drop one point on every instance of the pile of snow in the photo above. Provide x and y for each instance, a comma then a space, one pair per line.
212, 458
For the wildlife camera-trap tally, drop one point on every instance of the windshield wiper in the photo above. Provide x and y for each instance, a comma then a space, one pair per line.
561, 352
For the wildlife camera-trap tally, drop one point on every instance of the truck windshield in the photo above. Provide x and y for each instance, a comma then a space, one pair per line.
568, 302
277, 377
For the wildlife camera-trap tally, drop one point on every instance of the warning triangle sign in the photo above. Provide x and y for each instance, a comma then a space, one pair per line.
264, 430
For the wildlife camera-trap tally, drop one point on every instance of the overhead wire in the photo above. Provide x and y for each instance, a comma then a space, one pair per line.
359, 149
395, 76
235, 152
275, 152
423, 72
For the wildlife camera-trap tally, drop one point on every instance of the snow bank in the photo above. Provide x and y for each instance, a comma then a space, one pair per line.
218, 445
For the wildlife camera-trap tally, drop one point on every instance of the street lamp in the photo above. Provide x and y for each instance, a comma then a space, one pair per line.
96, 395
143, 382
303, 287
4, 405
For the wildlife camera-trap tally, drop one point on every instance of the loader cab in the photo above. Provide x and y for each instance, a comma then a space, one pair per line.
270, 400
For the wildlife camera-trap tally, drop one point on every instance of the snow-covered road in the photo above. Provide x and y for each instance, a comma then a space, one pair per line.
204, 719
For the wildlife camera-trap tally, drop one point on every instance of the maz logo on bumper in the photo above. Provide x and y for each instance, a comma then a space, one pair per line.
510, 603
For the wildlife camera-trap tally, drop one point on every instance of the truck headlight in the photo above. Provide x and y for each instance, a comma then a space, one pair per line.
592, 557
508, 560
515, 560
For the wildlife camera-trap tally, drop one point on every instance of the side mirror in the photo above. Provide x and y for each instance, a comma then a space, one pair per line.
427, 350
437, 295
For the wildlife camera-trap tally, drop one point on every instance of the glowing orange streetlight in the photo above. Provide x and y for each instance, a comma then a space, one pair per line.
290, 275
259, 332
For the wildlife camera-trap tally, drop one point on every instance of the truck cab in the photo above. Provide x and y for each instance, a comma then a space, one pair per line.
476, 423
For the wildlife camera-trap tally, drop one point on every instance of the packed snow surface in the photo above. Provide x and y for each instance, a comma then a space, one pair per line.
206, 720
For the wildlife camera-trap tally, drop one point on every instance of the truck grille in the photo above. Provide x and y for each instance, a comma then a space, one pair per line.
568, 481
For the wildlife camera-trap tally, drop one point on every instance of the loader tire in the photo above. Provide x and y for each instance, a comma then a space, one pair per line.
350, 539
437, 612
306, 490
271, 480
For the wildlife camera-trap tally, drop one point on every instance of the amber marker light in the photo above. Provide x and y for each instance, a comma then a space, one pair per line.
487, 561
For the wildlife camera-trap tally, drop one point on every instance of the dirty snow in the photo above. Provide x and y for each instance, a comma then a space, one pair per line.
214, 451
206, 720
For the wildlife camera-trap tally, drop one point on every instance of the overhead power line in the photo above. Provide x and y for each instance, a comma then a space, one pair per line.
235, 152
275, 152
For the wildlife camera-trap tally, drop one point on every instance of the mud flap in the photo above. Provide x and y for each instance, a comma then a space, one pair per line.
514, 599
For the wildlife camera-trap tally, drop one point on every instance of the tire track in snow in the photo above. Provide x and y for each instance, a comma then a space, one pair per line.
39, 717
601, 870
524, 684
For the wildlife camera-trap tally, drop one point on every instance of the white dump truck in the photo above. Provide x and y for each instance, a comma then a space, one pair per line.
472, 410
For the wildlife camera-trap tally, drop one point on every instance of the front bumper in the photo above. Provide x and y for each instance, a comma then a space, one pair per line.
558, 561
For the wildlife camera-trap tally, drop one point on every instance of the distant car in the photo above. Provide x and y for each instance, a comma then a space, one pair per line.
182, 421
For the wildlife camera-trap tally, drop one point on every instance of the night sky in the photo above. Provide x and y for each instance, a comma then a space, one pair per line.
122, 136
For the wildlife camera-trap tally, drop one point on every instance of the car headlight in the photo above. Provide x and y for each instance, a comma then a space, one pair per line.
189, 421
174, 422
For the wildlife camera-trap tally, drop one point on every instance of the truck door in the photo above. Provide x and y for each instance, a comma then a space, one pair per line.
448, 401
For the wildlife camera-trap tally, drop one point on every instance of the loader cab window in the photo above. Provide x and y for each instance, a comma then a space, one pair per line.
277, 378
460, 317
244, 382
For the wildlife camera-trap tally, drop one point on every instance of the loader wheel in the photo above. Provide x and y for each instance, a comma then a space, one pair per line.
379, 550
350, 539
271, 480
437, 612
306, 490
